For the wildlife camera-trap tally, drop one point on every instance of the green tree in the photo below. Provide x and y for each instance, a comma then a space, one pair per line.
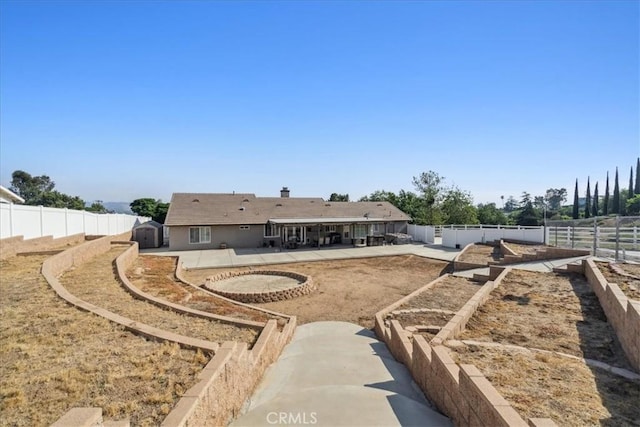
587, 204
630, 189
150, 207
381, 196
430, 186
335, 197
30, 188
576, 203
616, 196
98, 207
490, 214
55, 199
595, 208
633, 205
457, 207
528, 215
636, 189
511, 204
605, 202
555, 197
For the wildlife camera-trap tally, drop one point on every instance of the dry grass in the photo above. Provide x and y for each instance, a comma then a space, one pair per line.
156, 276
556, 313
481, 254
350, 290
55, 357
629, 285
95, 282
449, 294
549, 386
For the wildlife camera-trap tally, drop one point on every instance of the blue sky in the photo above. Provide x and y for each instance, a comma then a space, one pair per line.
117, 100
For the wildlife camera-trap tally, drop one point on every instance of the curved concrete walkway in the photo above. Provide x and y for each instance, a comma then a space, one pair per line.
338, 374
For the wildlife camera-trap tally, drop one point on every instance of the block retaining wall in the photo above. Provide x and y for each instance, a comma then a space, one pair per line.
181, 277
229, 379
462, 265
225, 383
54, 266
459, 391
126, 260
14, 245
512, 257
623, 313
305, 287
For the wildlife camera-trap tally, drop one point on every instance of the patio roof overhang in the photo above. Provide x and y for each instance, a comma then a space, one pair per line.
326, 220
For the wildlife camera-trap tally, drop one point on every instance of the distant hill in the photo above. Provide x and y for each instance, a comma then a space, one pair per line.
118, 207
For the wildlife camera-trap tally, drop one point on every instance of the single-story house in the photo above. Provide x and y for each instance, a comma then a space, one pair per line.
210, 221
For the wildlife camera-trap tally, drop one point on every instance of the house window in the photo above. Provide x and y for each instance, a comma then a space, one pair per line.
199, 235
245, 227
330, 228
271, 230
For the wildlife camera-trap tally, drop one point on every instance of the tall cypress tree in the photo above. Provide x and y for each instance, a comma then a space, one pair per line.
615, 208
605, 202
576, 207
587, 202
631, 183
636, 190
595, 209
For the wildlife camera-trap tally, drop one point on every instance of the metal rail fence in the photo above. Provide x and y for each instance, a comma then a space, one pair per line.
616, 237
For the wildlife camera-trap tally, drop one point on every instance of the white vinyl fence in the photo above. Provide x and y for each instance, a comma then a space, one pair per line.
421, 233
458, 236
38, 221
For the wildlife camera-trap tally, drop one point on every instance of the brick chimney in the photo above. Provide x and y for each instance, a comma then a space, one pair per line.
284, 192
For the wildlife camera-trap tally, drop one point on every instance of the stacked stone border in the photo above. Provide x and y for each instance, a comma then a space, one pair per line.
15, 245
226, 381
462, 265
461, 392
304, 287
623, 313
126, 260
512, 257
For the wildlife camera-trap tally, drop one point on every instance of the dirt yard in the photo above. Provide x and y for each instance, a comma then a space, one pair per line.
481, 254
155, 275
435, 306
521, 249
558, 313
95, 282
629, 285
349, 290
55, 357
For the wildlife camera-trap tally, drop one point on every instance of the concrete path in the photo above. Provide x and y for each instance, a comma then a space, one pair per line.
338, 374
216, 258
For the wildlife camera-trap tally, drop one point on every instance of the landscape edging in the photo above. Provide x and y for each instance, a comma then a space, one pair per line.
126, 260
622, 313
461, 392
219, 395
11, 246
306, 287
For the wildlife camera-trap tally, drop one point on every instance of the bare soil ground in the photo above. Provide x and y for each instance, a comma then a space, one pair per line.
349, 290
95, 282
155, 275
556, 313
521, 249
450, 294
481, 254
629, 285
55, 357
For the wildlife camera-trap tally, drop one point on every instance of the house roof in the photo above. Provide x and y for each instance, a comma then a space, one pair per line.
8, 196
228, 209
